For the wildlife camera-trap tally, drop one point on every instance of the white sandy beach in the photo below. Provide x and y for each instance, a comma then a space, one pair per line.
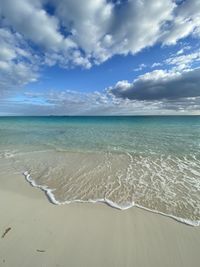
43, 234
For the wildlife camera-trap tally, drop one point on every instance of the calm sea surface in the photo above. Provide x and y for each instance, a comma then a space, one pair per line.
151, 162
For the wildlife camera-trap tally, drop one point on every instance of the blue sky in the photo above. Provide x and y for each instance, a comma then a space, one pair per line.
108, 58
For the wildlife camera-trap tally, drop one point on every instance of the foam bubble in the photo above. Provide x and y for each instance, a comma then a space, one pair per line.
52, 198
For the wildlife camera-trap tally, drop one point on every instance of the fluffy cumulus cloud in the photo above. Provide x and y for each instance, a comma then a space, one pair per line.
162, 91
186, 20
74, 33
184, 61
18, 64
67, 32
159, 85
176, 88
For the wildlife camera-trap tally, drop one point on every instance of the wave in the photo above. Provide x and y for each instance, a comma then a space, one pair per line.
49, 193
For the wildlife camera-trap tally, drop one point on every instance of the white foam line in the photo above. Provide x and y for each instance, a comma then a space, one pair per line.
179, 219
115, 205
47, 190
50, 195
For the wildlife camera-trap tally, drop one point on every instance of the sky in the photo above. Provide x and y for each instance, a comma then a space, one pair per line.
99, 57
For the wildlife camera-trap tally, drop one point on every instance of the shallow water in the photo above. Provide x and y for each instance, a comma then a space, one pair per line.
149, 162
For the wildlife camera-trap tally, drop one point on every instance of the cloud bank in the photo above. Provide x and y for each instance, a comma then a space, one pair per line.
159, 85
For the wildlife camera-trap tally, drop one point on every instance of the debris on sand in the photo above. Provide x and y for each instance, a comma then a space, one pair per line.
6, 231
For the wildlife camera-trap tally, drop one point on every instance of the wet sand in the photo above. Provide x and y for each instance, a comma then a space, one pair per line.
43, 234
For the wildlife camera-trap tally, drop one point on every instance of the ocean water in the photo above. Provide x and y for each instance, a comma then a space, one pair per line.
151, 162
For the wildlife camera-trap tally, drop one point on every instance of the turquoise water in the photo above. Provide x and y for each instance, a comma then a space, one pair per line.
176, 135
147, 161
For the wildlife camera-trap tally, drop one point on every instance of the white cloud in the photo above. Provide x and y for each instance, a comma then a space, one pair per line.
141, 67
103, 29
186, 20
31, 20
184, 61
91, 35
160, 85
18, 66
156, 64
67, 102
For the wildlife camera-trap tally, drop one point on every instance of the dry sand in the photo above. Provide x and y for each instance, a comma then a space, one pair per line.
45, 235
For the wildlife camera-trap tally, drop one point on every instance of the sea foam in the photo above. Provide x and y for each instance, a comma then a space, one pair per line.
51, 197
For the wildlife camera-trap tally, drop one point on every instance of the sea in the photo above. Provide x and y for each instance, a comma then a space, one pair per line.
149, 162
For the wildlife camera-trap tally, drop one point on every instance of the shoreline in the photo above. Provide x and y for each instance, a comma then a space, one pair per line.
86, 235
49, 194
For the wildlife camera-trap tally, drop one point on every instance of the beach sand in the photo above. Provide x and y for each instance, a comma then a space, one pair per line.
43, 234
